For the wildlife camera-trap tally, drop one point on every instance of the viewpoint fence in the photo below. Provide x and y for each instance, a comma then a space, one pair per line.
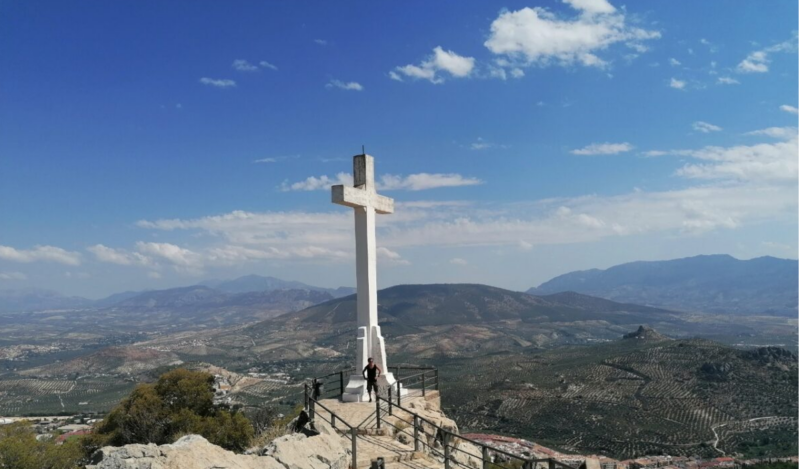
426, 435
415, 380
490, 456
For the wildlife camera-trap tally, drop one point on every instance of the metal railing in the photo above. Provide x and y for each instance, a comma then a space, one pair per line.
330, 386
491, 457
421, 381
415, 380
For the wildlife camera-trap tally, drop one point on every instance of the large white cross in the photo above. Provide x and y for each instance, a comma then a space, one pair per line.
365, 201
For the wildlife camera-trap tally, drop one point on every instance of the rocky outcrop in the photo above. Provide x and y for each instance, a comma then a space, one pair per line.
645, 333
294, 451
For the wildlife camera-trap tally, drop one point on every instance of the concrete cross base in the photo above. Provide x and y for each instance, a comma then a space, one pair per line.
356, 389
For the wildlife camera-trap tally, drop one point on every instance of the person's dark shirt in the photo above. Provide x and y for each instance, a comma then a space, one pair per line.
372, 373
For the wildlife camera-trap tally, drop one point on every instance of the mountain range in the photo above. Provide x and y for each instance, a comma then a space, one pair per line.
34, 299
711, 284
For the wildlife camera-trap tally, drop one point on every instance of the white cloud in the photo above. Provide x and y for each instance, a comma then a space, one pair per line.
412, 182
40, 253
705, 127
119, 256
423, 181
727, 81
481, 144
677, 84
674, 62
268, 65
153, 274
763, 163
313, 183
321, 42
789, 109
603, 149
441, 61
219, 83
353, 86
12, 276
655, 153
782, 133
266, 160
391, 256
458, 261
536, 36
243, 66
184, 259
758, 61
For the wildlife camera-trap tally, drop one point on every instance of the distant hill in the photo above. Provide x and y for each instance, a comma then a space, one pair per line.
438, 304
35, 299
715, 284
253, 283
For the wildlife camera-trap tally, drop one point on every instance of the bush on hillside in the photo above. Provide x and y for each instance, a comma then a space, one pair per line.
19, 449
180, 403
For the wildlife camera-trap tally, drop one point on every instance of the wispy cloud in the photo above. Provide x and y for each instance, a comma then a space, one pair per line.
789, 109
781, 133
268, 65
458, 261
352, 86
758, 61
454, 65
243, 66
603, 149
481, 144
12, 276
677, 84
219, 83
727, 81
674, 62
705, 127
40, 253
388, 182
321, 42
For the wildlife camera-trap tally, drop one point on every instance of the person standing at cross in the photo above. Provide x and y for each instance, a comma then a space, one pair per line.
371, 372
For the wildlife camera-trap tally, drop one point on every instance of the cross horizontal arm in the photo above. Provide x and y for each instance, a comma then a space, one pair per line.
355, 197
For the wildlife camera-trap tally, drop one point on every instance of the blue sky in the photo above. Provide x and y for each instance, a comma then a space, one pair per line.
157, 144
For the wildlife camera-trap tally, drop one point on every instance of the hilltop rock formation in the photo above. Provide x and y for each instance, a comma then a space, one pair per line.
288, 452
645, 333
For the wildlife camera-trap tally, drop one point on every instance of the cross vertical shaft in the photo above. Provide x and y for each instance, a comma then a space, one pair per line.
366, 202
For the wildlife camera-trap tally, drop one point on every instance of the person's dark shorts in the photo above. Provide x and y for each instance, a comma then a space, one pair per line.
372, 386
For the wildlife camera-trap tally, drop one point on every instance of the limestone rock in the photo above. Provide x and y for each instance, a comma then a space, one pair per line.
296, 451
195, 452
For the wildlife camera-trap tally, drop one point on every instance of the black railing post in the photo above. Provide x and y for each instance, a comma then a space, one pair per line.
485, 456
398, 392
312, 410
390, 400
333, 420
446, 444
305, 395
551, 463
378, 411
354, 438
416, 432
341, 384
423, 384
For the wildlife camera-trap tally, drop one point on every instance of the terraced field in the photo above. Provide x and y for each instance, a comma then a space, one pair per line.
52, 397
631, 398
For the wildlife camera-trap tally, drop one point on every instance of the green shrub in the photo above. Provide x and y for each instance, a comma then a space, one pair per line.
180, 403
19, 449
